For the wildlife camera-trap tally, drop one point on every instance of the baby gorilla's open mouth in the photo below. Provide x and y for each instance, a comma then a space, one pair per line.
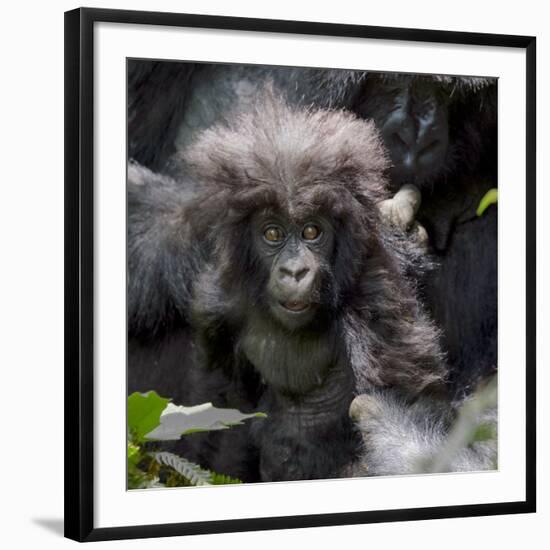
295, 306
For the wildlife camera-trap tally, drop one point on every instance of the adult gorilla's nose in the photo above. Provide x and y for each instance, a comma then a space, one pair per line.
417, 137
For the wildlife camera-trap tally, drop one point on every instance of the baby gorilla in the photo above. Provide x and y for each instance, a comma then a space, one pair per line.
265, 281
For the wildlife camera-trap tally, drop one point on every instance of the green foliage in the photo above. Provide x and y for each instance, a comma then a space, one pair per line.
144, 410
139, 476
221, 479
134, 454
153, 417
491, 197
188, 470
484, 432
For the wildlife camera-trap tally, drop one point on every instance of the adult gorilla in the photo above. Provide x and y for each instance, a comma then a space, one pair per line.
441, 134
272, 285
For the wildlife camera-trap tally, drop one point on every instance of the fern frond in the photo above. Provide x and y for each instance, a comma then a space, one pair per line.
189, 470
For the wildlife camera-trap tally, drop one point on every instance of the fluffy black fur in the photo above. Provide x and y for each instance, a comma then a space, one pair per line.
200, 324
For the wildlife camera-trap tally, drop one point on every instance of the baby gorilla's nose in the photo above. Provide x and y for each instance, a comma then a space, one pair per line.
296, 272
295, 280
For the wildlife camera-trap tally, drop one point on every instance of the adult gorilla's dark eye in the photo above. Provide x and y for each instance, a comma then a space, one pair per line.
273, 234
311, 232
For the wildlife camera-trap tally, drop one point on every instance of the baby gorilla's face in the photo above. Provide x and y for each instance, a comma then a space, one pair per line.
295, 254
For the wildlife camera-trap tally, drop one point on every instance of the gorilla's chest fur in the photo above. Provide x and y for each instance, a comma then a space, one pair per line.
309, 387
294, 362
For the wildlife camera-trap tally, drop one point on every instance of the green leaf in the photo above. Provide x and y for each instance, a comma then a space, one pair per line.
144, 410
484, 432
176, 421
491, 197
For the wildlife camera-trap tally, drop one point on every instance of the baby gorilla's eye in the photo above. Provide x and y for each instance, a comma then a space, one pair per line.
273, 234
311, 232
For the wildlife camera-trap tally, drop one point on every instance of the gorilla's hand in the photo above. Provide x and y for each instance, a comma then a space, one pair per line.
401, 210
419, 234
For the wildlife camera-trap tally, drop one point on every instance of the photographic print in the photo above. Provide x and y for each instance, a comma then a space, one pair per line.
298, 256
311, 273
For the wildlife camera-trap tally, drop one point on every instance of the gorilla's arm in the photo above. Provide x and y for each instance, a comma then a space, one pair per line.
427, 436
158, 96
161, 257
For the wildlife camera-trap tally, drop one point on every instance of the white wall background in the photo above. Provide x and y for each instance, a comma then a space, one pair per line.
31, 272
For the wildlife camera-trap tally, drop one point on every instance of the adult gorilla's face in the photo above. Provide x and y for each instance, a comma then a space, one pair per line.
411, 113
296, 255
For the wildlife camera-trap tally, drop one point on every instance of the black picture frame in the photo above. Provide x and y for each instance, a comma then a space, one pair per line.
79, 269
